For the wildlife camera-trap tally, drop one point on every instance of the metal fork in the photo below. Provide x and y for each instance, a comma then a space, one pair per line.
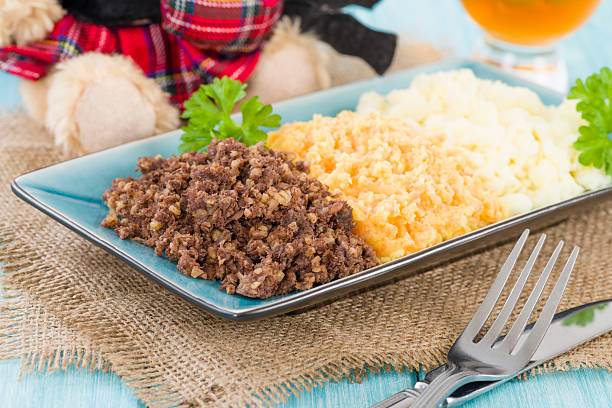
470, 361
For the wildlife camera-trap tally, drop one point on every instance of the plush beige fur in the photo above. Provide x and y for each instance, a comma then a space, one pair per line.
408, 53
95, 101
34, 97
291, 64
22, 21
113, 98
294, 63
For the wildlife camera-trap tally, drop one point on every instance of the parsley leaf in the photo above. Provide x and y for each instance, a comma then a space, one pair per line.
594, 143
209, 112
255, 114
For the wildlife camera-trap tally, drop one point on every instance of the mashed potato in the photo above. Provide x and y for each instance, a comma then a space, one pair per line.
408, 190
511, 135
448, 155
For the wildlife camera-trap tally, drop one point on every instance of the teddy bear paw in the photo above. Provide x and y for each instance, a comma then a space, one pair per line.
96, 101
22, 21
112, 111
292, 62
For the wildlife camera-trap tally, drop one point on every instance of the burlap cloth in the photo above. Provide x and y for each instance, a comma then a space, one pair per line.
67, 301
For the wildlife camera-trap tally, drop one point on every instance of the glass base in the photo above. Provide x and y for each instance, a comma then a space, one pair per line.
541, 65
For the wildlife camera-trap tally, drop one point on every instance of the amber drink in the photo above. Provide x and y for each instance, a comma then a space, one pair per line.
520, 35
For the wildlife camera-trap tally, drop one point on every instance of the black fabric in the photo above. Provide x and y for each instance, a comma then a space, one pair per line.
343, 32
113, 12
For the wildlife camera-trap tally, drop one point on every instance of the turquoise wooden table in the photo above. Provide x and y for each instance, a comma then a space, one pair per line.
445, 23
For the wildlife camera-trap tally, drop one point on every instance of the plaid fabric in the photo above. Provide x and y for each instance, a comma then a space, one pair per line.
67, 39
222, 26
175, 64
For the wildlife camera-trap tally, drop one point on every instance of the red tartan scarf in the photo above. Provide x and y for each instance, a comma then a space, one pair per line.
228, 40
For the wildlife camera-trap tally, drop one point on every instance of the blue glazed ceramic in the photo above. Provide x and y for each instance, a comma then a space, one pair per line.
71, 192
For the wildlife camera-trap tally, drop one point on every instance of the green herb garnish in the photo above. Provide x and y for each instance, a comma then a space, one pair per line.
209, 112
595, 95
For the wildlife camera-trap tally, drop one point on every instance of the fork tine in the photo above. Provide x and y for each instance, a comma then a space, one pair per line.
486, 307
543, 322
502, 318
517, 328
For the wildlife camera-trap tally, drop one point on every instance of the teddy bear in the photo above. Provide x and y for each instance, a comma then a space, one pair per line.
101, 73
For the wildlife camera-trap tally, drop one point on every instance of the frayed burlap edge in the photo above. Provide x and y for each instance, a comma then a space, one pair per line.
18, 266
22, 303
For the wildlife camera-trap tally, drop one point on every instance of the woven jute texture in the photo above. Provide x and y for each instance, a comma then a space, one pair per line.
67, 301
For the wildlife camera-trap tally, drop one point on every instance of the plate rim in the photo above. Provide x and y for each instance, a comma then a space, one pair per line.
20, 192
286, 305
300, 298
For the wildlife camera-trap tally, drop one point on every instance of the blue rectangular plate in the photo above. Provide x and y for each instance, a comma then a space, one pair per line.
71, 193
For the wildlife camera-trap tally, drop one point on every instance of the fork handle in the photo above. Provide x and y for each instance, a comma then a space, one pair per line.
402, 399
442, 386
427, 394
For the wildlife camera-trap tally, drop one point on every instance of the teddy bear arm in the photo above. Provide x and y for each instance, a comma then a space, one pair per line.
96, 101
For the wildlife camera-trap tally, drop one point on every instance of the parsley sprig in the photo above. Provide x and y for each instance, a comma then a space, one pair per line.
209, 112
594, 143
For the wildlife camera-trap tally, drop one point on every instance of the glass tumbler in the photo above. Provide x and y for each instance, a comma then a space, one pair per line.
520, 36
